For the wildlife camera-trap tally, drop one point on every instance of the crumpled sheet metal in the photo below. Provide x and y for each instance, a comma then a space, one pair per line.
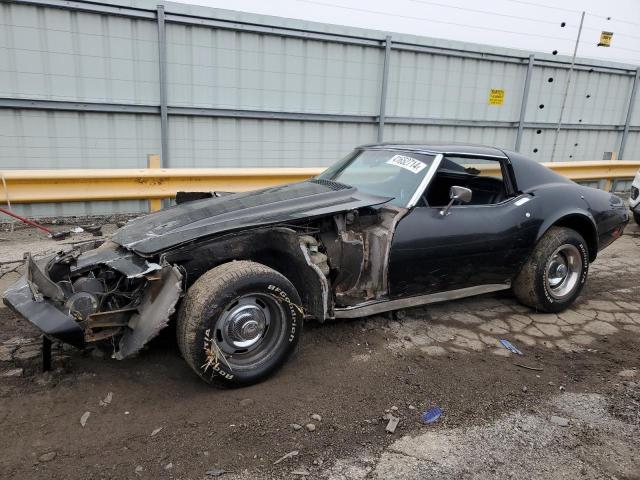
125, 262
154, 312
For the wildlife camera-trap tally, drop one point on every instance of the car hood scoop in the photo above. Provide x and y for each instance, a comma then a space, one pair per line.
193, 220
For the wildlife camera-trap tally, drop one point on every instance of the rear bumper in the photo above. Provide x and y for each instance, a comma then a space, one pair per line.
43, 314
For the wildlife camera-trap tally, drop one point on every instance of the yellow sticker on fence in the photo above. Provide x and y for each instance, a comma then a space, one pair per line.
605, 39
496, 96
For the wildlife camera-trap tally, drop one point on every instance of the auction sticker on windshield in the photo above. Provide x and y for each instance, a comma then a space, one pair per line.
407, 163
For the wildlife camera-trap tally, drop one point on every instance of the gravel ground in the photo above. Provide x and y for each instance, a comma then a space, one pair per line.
577, 416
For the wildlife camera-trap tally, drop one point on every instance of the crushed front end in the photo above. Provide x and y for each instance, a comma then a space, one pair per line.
105, 296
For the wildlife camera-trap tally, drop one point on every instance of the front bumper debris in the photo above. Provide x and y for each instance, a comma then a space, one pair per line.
43, 314
44, 302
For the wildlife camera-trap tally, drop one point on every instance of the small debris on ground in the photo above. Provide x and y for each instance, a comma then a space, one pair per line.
168, 466
286, 456
509, 346
107, 400
301, 471
84, 418
47, 457
316, 417
392, 424
411, 407
95, 230
560, 421
310, 427
295, 426
394, 409
537, 369
156, 431
525, 389
15, 372
431, 415
215, 472
246, 402
139, 469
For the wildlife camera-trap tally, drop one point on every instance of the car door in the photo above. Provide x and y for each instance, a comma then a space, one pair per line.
473, 244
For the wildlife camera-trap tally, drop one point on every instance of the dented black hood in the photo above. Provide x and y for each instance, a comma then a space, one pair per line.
287, 203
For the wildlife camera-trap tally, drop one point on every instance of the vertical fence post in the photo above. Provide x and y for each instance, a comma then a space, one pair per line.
162, 76
153, 161
627, 122
383, 89
525, 99
566, 89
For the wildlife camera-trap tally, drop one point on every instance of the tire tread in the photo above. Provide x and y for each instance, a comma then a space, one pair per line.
525, 284
196, 301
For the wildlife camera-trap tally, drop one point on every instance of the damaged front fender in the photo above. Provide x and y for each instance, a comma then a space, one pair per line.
105, 295
155, 310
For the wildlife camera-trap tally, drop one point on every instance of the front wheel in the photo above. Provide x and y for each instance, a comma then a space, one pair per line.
553, 277
238, 323
636, 217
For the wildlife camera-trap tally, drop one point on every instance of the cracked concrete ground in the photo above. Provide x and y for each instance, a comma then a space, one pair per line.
497, 421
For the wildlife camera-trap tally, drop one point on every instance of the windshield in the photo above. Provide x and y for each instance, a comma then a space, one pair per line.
388, 173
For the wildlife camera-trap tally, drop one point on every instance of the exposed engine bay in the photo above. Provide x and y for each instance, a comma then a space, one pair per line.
119, 300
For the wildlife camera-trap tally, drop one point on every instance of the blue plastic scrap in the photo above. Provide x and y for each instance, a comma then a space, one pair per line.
509, 346
431, 415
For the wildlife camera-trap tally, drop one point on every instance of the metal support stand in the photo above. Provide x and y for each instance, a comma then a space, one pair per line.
383, 89
523, 104
46, 354
627, 122
566, 89
162, 78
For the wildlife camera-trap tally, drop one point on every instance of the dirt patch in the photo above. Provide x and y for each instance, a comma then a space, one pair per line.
350, 373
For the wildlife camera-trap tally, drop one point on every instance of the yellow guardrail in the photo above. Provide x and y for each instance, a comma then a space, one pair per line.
154, 184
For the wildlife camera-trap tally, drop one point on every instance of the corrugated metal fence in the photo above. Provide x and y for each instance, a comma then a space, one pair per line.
89, 85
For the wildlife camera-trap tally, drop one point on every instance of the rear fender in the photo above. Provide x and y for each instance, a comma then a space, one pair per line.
579, 220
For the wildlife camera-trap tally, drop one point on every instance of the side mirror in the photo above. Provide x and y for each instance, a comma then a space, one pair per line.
462, 194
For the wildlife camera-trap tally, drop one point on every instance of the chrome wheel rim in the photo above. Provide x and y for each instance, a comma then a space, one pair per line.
249, 326
563, 269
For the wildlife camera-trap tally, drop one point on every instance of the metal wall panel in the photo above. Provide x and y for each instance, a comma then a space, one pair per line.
500, 137
56, 54
47, 139
69, 72
71, 209
572, 144
232, 142
632, 150
437, 86
226, 69
594, 97
635, 113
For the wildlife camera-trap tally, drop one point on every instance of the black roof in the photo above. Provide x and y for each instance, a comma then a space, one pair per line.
444, 148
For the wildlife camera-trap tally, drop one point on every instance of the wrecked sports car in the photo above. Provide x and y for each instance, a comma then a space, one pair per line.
388, 227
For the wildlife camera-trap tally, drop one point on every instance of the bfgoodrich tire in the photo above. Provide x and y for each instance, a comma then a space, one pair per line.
555, 273
238, 323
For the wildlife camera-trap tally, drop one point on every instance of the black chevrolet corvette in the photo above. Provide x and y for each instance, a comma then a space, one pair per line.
390, 226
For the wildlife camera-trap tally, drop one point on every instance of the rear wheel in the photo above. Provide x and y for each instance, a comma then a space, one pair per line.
239, 323
553, 277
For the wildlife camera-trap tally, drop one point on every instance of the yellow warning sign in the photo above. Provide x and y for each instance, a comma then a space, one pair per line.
496, 96
605, 39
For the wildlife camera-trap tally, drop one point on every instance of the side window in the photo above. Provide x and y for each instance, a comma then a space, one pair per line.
483, 177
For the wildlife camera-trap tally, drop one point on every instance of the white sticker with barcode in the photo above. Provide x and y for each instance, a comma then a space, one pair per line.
408, 163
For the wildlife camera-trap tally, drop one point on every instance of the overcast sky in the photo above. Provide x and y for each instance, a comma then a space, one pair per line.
533, 25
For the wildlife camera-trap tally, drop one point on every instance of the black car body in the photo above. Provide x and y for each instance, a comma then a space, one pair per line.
396, 240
